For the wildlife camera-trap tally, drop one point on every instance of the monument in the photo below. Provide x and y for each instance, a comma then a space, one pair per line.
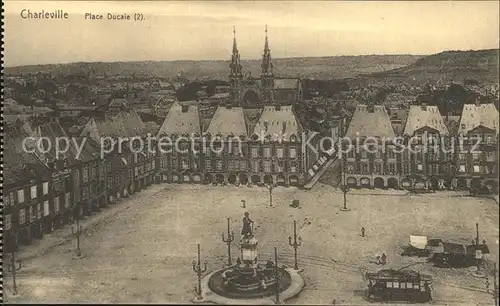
250, 280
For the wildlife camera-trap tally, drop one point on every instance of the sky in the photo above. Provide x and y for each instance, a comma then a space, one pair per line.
203, 30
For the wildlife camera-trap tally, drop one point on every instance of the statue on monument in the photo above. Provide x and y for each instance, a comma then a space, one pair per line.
247, 230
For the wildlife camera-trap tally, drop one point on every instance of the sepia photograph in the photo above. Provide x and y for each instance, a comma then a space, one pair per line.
250, 152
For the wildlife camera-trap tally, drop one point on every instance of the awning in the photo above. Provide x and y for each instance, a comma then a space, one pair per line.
419, 242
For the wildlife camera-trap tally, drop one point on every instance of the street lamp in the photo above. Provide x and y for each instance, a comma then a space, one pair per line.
477, 233
276, 275
345, 189
270, 187
295, 243
495, 285
13, 268
77, 233
199, 272
230, 238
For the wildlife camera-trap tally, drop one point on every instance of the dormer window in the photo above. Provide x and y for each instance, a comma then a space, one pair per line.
184, 108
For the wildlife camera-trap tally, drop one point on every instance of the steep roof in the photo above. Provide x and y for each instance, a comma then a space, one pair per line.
476, 115
279, 124
179, 122
370, 124
252, 116
286, 83
228, 121
124, 124
90, 149
54, 132
18, 164
424, 116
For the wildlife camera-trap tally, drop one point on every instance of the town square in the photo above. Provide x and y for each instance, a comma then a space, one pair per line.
141, 249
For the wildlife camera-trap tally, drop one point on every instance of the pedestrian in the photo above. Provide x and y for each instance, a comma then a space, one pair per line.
383, 259
362, 231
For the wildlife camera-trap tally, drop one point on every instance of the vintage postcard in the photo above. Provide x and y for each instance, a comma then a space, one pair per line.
250, 152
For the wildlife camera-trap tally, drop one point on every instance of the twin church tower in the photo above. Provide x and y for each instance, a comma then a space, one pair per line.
250, 92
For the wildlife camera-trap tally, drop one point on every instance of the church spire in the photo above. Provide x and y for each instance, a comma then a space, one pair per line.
235, 65
235, 74
266, 75
267, 66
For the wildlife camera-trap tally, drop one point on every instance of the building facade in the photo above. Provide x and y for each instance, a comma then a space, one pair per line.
233, 149
426, 154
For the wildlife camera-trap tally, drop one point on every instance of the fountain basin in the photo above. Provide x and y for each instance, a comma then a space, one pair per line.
214, 291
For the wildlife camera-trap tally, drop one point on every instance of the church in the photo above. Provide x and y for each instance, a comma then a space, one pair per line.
259, 114
249, 92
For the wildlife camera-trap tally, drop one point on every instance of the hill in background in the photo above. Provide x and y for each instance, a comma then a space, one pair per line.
310, 67
481, 65
445, 67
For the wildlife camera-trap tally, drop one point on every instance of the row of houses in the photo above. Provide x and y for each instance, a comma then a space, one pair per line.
236, 146
44, 189
424, 150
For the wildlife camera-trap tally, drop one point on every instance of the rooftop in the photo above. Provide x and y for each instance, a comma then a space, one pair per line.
424, 116
365, 123
228, 121
279, 123
181, 119
476, 115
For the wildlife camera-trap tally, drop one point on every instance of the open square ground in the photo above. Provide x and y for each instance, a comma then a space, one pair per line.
140, 250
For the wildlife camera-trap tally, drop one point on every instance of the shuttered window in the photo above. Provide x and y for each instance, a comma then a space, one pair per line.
46, 208
33, 192
22, 216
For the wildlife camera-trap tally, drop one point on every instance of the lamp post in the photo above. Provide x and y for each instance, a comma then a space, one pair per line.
295, 243
230, 238
495, 285
270, 187
13, 268
77, 233
199, 272
276, 275
477, 233
478, 255
345, 189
